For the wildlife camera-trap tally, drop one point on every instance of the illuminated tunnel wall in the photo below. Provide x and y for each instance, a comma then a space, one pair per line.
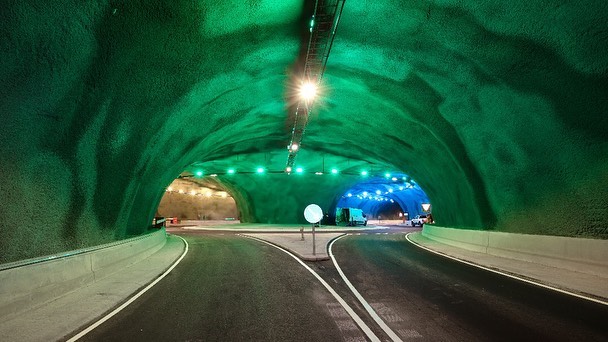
189, 200
498, 109
376, 193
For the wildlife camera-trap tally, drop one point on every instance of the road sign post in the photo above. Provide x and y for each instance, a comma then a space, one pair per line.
314, 245
313, 214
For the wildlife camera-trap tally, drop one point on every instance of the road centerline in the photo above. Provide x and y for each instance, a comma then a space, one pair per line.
368, 332
362, 300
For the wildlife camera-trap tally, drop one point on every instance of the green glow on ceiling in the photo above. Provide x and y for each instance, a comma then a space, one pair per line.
496, 117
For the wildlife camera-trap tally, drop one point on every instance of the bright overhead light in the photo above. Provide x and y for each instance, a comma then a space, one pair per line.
334, 171
390, 189
363, 173
308, 91
387, 175
199, 173
288, 169
364, 193
213, 175
260, 170
318, 173
394, 179
349, 195
231, 171
299, 170
400, 188
378, 192
293, 147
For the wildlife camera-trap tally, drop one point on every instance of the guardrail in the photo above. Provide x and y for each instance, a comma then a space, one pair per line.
576, 254
29, 283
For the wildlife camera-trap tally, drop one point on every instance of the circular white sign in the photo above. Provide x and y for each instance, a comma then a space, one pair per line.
313, 213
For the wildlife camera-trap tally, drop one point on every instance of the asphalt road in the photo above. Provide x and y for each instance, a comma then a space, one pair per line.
229, 288
420, 294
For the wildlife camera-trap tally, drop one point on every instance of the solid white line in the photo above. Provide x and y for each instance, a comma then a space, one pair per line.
124, 305
370, 334
506, 274
362, 300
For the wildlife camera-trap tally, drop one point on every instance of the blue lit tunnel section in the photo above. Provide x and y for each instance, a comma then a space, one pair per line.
386, 196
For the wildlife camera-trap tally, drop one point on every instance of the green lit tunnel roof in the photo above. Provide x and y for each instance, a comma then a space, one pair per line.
496, 109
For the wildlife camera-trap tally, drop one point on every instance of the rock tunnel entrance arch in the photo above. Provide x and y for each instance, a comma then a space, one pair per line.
388, 196
200, 200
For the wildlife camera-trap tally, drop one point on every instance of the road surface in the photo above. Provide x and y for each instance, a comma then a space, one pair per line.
230, 288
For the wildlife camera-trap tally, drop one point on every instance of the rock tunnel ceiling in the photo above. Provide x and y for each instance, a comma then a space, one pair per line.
498, 110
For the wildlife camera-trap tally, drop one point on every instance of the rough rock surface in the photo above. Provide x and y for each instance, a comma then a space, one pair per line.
498, 109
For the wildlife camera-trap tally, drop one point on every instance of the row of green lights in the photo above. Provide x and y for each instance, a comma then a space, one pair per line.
297, 170
262, 170
301, 170
229, 171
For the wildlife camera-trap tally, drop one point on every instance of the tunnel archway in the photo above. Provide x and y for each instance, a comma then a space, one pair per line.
273, 195
187, 199
383, 193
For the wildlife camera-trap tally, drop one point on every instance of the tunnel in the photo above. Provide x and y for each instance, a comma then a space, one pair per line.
389, 195
497, 110
195, 201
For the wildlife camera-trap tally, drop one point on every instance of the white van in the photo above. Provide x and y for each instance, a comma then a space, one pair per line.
350, 217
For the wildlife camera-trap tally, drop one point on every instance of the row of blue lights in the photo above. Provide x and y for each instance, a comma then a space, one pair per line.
379, 194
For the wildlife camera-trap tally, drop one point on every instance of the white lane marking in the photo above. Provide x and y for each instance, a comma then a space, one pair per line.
362, 300
124, 305
370, 334
506, 274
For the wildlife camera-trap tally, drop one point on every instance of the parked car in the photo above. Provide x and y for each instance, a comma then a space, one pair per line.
419, 220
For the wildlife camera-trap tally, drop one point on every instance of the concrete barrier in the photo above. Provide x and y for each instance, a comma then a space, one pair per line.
576, 254
30, 283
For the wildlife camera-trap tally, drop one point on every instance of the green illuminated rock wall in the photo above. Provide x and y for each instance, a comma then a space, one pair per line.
497, 109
